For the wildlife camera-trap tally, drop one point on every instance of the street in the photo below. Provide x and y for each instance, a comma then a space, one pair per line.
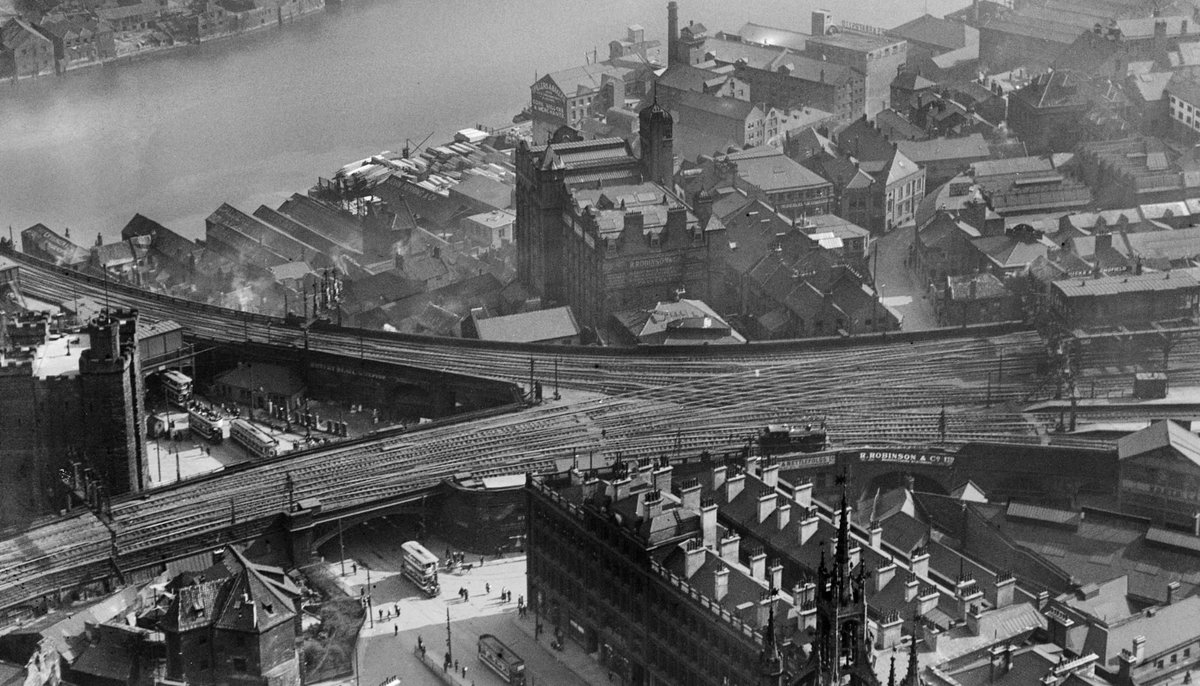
387, 645
896, 284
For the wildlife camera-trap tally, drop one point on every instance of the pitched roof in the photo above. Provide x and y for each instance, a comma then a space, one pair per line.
730, 108
769, 35
529, 327
1165, 434
931, 30
973, 146
584, 78
769, 170
1140, 283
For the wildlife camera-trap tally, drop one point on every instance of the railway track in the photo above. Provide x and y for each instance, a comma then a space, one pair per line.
638, 405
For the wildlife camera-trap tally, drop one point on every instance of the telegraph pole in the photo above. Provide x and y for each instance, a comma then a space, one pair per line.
342, 546
449, 647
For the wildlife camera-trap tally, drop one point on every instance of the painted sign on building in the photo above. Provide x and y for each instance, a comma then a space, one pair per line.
907, 457
548, 102
807, 462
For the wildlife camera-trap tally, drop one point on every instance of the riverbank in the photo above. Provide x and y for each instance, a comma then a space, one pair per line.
165, 33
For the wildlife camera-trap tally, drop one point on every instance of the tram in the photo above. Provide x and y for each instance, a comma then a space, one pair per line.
178, 387
210, 425
258, 442
502, 660
420, 567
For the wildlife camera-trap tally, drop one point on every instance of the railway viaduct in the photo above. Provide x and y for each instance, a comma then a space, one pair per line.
671, 403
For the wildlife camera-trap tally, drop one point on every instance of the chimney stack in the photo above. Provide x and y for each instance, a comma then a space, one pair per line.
758, 565
807, 526
733, 486
729, 548
689, 496
920, 564
694, 557
708, 523
1172, 591
770, 475
822, 20
720, 583
783, 516
719, 477
766, 505
802, 494
1005, 585
775, 572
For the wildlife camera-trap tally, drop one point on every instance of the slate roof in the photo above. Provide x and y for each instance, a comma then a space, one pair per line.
727, 51
529, 327
973, 146
770, 171
769, 35
686, 77
1112, 285
1165, 434
942, 33
584, 78
114, 254
730, 108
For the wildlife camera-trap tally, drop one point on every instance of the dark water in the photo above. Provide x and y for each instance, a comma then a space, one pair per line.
251, 120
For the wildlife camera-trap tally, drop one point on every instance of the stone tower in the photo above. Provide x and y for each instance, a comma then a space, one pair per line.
657, 142
114, 412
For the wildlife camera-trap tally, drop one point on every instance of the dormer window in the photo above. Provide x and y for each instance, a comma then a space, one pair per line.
655, 240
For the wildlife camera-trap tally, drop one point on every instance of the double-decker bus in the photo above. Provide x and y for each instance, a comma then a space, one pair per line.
502, 660
178, 387
209, 424
254, 439
420, 566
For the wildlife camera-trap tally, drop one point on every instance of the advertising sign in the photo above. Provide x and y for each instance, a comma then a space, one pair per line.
548, 102
907, 457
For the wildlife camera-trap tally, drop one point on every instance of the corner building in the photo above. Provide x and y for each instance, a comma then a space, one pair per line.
601, 230
634, 566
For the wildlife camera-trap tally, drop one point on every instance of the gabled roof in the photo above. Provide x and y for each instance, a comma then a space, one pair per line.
1165, 434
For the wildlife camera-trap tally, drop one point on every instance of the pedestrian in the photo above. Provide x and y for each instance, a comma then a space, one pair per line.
464, 671
354, 568
395, 629
466, 595
487, 588
420, 643
381, 615
480, 560
456, 665
396, 607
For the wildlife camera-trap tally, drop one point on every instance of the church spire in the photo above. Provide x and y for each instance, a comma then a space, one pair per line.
913, 676
770, 661
892, 670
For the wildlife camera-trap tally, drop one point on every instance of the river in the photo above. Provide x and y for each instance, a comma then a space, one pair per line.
253, 119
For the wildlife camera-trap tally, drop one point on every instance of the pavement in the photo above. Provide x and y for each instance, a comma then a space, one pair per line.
388, 642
